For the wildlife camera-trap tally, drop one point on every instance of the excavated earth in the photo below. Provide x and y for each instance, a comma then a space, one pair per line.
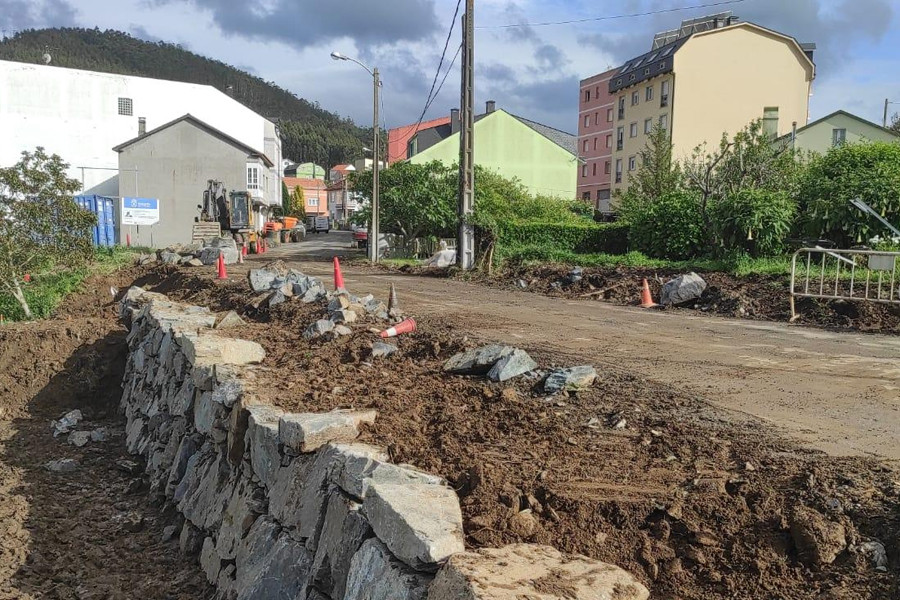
695, 502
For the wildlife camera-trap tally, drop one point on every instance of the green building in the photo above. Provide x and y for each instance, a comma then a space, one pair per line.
305, 171
544, 159
839, 127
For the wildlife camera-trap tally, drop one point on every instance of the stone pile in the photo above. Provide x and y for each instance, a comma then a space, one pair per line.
197, 255
286, 505
501, 363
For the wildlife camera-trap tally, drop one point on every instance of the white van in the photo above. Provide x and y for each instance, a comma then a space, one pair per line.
316, 224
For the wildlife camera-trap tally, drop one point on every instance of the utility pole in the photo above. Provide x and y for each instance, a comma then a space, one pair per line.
884, 121
373, 238
465, 244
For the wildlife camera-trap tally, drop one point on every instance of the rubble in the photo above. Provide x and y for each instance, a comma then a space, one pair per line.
62, 465
478, 361
317, 329
79, 438
66, 423
572, 378
381, 349
512, 365
683, 288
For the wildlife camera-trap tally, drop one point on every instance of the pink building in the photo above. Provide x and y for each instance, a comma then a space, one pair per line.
596, 139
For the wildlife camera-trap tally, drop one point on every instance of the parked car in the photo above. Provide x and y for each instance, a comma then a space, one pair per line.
360, 237
316, 224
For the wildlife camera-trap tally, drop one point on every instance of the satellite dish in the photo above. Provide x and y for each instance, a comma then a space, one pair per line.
47, 58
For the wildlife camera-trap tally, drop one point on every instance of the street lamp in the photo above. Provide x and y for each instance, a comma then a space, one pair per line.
373, 227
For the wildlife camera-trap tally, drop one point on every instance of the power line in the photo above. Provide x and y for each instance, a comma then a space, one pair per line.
450, 68
612, 17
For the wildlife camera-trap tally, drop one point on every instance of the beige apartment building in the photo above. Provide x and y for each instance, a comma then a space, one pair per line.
712, 75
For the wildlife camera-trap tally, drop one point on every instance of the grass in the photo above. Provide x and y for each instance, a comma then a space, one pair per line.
400, 262
48, 289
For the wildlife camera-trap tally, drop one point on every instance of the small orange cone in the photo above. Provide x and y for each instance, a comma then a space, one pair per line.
221, 268
646, 298
27, 278
407, 326
338, 276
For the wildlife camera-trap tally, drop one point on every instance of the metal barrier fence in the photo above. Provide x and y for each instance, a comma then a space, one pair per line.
866, 275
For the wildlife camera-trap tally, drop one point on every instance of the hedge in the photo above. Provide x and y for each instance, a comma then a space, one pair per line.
588, 238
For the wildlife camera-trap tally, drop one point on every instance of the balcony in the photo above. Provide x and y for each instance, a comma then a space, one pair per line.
664, 101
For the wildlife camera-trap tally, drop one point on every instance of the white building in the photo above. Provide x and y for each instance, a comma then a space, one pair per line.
82, 115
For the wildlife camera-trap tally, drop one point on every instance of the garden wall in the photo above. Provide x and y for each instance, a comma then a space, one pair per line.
287, 505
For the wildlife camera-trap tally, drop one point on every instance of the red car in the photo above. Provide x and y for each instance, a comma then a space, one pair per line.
360, 237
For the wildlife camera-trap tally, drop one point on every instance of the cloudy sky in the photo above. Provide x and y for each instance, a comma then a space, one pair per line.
530, 70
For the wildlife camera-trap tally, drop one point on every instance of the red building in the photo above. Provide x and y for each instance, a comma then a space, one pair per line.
399, 137
595, 140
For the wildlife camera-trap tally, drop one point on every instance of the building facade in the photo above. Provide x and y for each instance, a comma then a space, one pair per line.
542, 158
840, 127
173, 163
596, 120
711, 76
399, 138
315, 194
82, 115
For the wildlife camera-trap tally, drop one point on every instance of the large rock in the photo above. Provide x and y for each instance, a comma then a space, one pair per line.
376, 575
357, 473
210, 256
572, 378
512, 365
421, 524
478, 361
534, 572
270, 564
262, 437
210, 561
683, 288
243, 508
305, 432
261, 280
343, 531
818, 540
222, 350
229, 321
318, 329
169, 258
286, 490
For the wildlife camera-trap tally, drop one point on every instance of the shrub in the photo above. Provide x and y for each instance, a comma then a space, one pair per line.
670, 227
581, 238
753, 220
868, 171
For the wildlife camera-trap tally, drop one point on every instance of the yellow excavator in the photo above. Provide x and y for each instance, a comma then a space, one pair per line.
232, 211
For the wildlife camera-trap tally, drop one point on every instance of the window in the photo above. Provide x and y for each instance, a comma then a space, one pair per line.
648, 125
647, 71
609, 115
586, 196
609, 141
607, 167
632, 163
587, 120
584, 170
664, 121
126, 107
584, 146
618, 170
595, 143
635, 98
633, 130
648, 93
770, 121
252, 178
587, 95
838, 136
594, 170
620, 138
621, 108
596, 118
664, 94
314, 201
597, 92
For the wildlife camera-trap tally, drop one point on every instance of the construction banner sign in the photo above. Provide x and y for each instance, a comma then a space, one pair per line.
140, 211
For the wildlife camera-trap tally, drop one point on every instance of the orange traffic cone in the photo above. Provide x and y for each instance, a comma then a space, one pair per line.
338, 276
244, 250
407, 326
221, 268
646, 298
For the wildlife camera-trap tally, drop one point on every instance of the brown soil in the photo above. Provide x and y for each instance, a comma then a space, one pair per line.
89, 534
692, 500
759, 297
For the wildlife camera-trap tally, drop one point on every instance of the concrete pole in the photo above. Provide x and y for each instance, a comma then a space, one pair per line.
465, 251
373, 237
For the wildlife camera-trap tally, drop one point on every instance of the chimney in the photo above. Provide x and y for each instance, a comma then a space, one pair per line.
229, 89
490, 106
142, 125
454, 120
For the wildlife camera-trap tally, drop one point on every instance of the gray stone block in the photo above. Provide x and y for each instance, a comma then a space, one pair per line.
420, 524
478, 361
356, 474
573, 378
238, 517
286, 490
683, 288
344, 529
186, 449
262, 438
376, 575
317, 329
512, 365
269, 564
222, 350
261, 280
306, 432
190, 540
209, 560
230, 321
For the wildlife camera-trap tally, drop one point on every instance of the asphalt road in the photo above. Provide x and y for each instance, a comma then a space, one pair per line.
837, 392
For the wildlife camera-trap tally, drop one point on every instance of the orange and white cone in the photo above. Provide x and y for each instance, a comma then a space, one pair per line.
221, 274
407, 326
646, 297
338, 276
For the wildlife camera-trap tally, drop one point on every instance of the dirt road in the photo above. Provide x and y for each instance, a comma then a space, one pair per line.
837, 392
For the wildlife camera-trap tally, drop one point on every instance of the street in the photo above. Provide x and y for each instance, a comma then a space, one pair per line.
835, 392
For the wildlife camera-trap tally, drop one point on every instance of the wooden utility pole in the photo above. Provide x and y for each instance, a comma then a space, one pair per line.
465, 244
373, 239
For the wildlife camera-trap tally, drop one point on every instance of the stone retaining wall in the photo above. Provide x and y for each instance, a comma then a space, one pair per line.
282, 505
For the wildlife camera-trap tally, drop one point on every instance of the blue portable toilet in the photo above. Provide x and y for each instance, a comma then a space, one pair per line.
103, 208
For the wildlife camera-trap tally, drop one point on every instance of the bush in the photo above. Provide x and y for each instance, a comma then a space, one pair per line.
868, 171
580, 238
762, 215
670, 227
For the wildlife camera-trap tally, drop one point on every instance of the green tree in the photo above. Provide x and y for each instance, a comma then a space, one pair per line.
285, 199
868, 171
895, 123
40, 223
657, 173
672, 226
298, 203
754, 220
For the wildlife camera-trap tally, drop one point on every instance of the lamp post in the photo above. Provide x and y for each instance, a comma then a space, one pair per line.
373, 227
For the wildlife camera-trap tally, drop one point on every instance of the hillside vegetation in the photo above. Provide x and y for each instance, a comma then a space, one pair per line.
310, 133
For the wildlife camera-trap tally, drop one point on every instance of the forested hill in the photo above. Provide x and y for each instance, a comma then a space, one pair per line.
310, 133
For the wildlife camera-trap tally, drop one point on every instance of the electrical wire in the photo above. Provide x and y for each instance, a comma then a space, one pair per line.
450, 68
611, 17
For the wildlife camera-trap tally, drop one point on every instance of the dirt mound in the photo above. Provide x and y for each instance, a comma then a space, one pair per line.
694, 502
89, 533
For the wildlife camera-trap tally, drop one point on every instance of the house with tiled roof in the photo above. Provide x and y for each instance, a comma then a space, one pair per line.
315, 193
544, 159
